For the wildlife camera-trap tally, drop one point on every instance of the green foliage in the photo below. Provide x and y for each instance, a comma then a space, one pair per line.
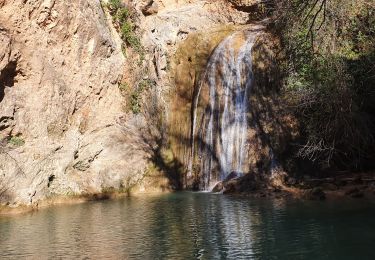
330, 46
135, 102
128, 35
135, 95
114, 4
122, 15
145, 84
124, 86
16, 141
123, 18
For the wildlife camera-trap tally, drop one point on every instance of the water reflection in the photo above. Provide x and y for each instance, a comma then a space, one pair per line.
192, 226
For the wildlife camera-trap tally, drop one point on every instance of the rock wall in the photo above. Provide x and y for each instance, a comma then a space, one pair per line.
175, 20
63, 129
64, 125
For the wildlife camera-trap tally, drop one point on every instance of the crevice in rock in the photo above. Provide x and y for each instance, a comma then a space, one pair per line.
246, 8
50, 180
5, 122
83, 165
7, 78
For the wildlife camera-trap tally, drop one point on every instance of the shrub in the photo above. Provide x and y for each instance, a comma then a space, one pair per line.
16, 141
124, 86
135, 96
114, 4
330, 75
123, 17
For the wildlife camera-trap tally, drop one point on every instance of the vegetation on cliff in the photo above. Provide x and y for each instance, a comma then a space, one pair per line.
123, 18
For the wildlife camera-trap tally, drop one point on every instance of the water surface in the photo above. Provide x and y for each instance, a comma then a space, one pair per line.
193, 226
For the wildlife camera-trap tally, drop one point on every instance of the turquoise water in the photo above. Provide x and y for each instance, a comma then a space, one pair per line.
193, 226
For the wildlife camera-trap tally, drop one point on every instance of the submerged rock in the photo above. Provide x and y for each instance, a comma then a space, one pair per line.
355, 193
316, 193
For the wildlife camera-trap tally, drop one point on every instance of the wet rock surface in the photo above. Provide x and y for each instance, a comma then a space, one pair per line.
234, 184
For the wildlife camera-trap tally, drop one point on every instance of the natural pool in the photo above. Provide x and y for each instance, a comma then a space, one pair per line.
193, 226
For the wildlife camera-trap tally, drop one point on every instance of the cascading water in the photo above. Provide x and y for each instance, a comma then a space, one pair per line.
221, 137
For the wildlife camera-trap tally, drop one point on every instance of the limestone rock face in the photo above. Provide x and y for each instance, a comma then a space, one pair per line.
63, 130
174, 21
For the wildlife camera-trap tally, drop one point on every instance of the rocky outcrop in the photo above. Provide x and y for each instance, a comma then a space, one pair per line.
62, 123
151, 8
174, 21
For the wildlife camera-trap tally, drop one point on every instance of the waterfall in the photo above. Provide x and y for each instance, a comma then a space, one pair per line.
220, 132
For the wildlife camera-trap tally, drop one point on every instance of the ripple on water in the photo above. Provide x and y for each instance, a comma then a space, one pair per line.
192, 226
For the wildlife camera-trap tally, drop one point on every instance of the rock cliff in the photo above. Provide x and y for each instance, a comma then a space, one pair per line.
64, 124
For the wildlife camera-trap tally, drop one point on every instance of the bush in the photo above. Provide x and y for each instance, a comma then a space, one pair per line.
330, 75
114, 5
16, 141
135, 95
122, 17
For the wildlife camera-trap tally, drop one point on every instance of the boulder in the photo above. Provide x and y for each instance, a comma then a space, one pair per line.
231, 187
219, 187
151, 8
231, 176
